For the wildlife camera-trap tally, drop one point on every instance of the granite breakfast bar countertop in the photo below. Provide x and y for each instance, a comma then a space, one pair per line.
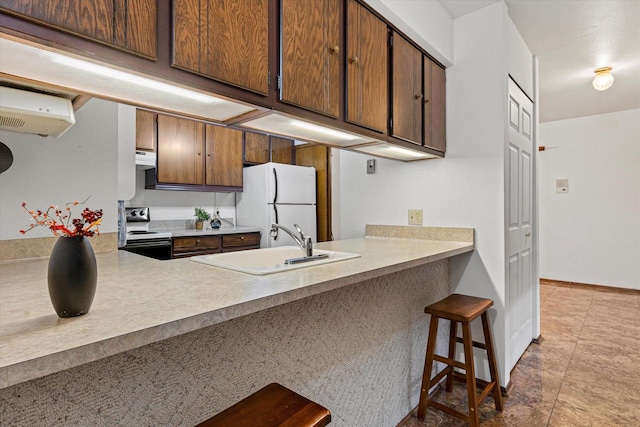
141, 300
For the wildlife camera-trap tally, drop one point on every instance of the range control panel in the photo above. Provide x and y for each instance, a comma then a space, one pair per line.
137, 214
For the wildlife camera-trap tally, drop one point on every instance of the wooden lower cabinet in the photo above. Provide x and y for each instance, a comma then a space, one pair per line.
240, 242
212, 244
191, 246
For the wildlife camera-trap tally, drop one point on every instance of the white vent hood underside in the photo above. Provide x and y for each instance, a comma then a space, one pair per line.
33, 63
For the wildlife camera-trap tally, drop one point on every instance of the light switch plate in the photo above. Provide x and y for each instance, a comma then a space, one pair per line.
371, 166
415, 216
562, 185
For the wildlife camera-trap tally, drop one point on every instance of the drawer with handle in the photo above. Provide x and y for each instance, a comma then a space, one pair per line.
189, 246
240, 241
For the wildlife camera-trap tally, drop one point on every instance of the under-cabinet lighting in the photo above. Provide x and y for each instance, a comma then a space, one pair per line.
102, 80
280, 124
323, 130
131, 78
394, 152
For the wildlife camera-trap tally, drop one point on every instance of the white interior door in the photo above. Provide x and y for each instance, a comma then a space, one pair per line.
519, 213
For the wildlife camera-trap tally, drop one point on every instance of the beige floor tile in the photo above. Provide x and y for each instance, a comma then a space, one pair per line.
585, 372
594, 406
548, 357
616, 298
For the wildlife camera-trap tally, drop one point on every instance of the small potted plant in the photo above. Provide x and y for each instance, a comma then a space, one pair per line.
201, 216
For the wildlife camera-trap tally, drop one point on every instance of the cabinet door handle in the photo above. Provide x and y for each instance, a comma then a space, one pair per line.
241, 237
198, 154
197, 241
426, 100
335, 49
418, 96
353, 60
208, 154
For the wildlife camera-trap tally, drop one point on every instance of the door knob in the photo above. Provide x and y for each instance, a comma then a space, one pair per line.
527, 235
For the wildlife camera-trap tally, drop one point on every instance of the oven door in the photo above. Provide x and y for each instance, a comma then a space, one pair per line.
154, 248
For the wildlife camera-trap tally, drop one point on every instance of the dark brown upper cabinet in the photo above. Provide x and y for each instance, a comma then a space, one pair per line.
407, 91
223, 163
146, 130
196, 156
226, 40
256, 148
282, 150
129, 25
311, 55
367, 68
180, 151
434, 106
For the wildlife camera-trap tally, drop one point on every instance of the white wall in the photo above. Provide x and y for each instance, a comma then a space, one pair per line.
466, 188
81, 163
426, 22
179, 205
519, 59
592, 233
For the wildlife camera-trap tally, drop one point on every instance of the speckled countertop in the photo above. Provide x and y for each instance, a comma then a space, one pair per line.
140, 300
191, 232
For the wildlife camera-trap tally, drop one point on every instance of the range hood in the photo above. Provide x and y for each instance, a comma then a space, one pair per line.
31, 112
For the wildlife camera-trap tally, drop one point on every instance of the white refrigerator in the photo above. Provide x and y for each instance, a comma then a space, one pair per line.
281, 194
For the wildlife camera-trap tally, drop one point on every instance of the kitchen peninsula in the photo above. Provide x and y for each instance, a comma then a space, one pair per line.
188, 340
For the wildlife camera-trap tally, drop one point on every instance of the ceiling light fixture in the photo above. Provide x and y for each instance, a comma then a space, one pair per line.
603, 79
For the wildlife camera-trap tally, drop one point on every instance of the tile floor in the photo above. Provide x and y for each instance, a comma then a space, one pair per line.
586, 372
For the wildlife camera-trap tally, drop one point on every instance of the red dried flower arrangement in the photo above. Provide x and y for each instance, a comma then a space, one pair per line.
61, 224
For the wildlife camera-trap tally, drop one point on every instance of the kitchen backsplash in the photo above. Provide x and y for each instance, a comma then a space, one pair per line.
178, 206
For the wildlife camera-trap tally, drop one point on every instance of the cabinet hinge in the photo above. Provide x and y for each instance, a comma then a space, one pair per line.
390, 123
391, 39
279, 82
268, 78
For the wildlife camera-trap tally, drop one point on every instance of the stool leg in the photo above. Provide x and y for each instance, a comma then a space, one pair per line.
474, 416
493, 367
428, 365
453, 334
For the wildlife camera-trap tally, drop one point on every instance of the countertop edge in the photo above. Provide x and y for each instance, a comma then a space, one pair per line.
45, 365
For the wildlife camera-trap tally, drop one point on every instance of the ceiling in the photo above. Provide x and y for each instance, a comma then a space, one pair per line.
571, 38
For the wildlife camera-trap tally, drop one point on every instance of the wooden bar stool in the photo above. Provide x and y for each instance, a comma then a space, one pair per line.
459, 309
271, 406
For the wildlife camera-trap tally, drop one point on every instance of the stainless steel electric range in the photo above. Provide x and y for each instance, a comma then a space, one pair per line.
141, 240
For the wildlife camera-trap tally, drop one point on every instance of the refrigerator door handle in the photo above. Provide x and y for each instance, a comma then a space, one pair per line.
275, 177
275, 210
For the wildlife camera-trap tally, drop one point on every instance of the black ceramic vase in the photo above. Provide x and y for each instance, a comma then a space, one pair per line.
72, 277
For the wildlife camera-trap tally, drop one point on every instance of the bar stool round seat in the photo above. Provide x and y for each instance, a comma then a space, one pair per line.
461, 309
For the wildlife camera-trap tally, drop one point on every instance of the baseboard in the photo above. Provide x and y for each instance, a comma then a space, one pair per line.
589, 286
538, 340
406, 419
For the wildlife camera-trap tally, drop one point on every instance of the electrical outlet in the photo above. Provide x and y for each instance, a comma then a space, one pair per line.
415, 216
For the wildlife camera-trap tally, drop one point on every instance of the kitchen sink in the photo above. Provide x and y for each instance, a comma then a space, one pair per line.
271, 260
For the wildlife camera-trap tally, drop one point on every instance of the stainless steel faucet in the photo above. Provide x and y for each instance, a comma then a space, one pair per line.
303, 241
